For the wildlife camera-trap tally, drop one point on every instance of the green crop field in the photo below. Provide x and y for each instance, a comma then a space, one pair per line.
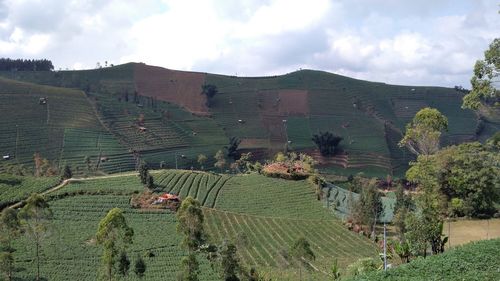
16, 188
265, 112
475, 261
263, 216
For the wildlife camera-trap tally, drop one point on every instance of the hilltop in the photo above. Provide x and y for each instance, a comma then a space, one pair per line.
120, 115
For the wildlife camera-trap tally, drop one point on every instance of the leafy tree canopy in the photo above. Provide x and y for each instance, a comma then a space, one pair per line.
483, 81
423, 132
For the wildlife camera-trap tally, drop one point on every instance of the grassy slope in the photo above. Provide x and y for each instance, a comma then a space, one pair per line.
370, 129
474, 261
369, 140
269, 226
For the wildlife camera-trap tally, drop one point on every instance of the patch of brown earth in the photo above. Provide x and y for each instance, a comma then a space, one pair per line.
179, 87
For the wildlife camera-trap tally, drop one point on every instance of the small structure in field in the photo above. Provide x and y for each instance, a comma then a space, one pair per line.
42, 101
165, 198
241, 121
104, 159
142, 129
6, 157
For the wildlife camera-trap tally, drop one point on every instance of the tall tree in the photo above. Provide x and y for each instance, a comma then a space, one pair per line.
67, 173
114, 235
144, 172
190, 268
190, 220
230, 262
327, 142
35, 217
369, 206
484, 92
423, 133
10, 229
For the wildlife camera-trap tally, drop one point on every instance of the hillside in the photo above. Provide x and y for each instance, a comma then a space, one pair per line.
156, 114
262, 215
474, 261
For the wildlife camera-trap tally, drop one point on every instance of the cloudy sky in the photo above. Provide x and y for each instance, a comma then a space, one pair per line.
425, 42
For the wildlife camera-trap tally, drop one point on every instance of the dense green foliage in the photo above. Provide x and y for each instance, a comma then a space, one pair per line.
467, 175
16, 188
476, 261
484, 91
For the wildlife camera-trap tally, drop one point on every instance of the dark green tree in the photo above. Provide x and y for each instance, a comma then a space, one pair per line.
67, 173
232, 148
209, 91
327, 143
369, 206
150, 182
144, 172
139, 267
35, 217
190, 269
230, 262
123, 264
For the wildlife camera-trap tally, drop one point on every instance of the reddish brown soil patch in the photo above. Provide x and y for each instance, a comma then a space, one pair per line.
253, 143
283, 102
179, 87
293, 102
145, 201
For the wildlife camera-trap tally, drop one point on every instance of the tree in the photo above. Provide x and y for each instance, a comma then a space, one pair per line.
88, 163
150, 182
10, 229
209, 91
369, 206
230, 263
35, 217
466, 174
403, 206
123, 264
67, 173
327, 142
139, 266
423, 133
232, 148
190, 223
302, 253
220, 160
202, 158
114, 235
484, 92
189, 268
144, 172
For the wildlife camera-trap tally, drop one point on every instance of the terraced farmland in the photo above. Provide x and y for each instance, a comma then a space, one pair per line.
271, 213
369, 116
16, 188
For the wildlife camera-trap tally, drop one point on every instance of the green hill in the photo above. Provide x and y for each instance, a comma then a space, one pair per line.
155, 114
474, 261
263, 221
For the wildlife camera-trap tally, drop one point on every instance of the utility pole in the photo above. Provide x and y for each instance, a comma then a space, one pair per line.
17, 140
385, 249
175, 161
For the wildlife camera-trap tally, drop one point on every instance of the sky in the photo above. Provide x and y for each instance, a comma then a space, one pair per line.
425, 42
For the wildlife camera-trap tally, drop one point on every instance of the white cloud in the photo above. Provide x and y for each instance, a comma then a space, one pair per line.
392, 41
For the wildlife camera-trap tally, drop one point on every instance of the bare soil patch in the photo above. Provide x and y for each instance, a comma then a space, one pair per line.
179, 87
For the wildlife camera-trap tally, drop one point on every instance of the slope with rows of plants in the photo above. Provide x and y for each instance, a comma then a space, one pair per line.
262, 216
